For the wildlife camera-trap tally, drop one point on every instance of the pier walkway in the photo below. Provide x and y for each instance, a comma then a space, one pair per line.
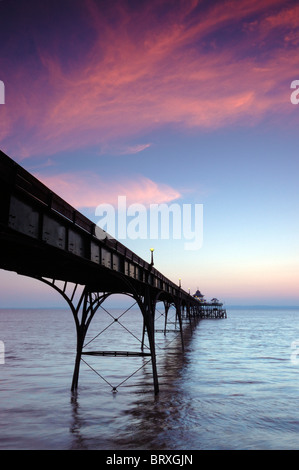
45, 238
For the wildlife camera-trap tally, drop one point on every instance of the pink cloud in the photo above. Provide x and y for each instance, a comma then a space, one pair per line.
140, 75
134, 149
123, 149
285, 18
87, 190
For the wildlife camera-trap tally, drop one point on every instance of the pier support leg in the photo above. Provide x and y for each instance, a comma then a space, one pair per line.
189, 315
77, 365
179, 316
167, 305
83, 312
149, 321
143, 334
87, 312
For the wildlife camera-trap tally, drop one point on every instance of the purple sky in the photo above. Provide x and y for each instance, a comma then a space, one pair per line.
184, 102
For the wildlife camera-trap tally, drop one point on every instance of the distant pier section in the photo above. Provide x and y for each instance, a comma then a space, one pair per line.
212, 309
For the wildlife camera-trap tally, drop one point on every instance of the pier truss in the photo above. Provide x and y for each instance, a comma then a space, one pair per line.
43, 237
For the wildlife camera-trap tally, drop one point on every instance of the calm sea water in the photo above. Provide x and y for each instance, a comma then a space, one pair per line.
235, 387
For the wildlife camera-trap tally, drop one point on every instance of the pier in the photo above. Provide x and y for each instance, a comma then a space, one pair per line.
45, 238
212, 309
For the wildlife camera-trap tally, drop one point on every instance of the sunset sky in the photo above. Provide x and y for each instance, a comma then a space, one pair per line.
164, 101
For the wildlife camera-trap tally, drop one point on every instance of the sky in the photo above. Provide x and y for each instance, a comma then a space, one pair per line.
184, 102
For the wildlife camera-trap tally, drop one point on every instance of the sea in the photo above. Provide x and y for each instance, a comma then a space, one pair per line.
234, 385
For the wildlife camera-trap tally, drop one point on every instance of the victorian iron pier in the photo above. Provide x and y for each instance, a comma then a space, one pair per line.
43, 237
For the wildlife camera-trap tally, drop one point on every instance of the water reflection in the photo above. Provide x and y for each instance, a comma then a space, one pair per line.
78, 441
134, 418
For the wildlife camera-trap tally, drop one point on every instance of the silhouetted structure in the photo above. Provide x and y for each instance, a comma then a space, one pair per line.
43, 237
212, 309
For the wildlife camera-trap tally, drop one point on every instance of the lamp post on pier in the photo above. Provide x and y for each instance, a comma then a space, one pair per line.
152, 256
